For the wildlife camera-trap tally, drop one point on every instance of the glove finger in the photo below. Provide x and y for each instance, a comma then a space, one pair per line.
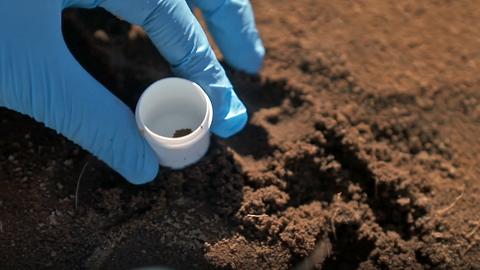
232, 24
52, 87
178, 36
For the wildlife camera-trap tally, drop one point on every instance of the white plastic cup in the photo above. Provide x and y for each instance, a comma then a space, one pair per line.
173, 104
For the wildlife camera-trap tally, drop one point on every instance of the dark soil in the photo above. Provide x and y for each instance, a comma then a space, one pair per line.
361, 152
182, 132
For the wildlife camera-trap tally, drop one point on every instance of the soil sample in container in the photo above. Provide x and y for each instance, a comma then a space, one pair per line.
182, 132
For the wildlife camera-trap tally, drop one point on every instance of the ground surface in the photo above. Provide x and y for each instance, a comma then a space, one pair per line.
361, 152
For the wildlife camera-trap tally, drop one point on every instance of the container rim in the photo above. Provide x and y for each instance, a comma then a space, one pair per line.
191, 138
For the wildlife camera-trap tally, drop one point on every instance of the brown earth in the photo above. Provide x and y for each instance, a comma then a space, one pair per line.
361, 152
181, 132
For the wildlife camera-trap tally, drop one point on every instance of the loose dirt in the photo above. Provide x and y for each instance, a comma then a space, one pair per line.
361, 152
182, 132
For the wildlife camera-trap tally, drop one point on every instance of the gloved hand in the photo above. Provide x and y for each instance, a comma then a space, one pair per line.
40, 77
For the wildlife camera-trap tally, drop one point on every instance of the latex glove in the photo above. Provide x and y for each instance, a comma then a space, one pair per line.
40, 77
232, 25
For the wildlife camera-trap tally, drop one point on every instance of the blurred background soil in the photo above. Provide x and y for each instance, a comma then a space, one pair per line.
361, 152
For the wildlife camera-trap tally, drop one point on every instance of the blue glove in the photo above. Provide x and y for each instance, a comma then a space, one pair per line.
40, 77
232, 25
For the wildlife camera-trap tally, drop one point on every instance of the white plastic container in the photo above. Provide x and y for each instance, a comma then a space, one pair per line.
170, 105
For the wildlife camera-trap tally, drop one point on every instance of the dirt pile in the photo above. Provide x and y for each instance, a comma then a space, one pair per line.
330, 172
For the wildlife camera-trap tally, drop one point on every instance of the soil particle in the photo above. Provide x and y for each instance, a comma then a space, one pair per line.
182, 132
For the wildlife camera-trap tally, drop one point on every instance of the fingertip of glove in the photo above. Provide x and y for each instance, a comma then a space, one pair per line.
145, 176
249, 60
231, 126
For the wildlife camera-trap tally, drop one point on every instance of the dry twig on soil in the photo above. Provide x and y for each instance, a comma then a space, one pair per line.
257, 216
469, 247
470, 234
443, 211
332, 223
78, 183
320, 254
